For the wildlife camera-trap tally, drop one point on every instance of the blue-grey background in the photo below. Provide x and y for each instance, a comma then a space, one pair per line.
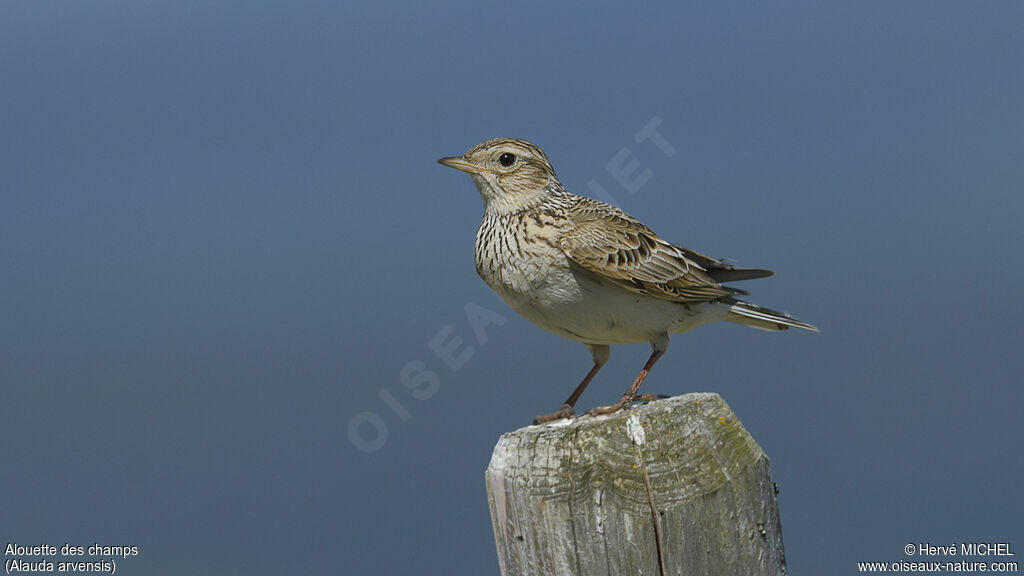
223, 235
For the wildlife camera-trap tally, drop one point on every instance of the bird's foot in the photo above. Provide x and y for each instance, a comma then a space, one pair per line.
565, 411
649, 398
620, 405
623, 404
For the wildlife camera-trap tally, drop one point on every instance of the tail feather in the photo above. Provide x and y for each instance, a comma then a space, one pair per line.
757, 317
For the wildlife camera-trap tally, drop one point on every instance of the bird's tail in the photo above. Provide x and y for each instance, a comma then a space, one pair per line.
751, 315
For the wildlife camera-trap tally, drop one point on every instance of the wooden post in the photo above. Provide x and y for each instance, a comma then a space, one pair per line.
676, 487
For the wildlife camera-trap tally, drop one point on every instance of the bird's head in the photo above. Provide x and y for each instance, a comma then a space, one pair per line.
511, 174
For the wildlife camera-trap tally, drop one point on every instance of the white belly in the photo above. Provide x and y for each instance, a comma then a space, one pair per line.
578, 305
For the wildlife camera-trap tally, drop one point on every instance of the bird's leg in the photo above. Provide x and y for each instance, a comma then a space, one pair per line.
566, 411
600, 354
630, 395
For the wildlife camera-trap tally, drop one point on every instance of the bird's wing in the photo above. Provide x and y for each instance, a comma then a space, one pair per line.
619, 248
721, 271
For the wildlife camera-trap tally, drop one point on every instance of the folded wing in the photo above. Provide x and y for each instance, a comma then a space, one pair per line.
619, 248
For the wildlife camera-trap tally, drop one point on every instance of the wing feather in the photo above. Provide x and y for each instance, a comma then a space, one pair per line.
610, 243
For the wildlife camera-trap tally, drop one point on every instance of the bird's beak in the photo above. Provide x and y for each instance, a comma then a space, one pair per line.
460, 163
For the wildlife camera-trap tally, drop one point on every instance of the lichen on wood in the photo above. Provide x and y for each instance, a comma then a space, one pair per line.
676, 486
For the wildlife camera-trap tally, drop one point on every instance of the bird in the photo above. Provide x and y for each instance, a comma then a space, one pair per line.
585, 270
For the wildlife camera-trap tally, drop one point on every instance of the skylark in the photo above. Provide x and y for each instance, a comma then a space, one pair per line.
588, 271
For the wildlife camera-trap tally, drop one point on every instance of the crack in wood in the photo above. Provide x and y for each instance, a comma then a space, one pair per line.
603, 519
658, 541
572, 494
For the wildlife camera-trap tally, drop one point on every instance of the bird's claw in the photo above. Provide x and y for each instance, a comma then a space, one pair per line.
565, 411
599, 410
649, 397
623, 404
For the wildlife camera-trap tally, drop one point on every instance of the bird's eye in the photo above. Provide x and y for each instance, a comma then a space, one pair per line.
507, 159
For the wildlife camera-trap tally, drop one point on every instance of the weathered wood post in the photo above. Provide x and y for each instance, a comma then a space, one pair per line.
677, 486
